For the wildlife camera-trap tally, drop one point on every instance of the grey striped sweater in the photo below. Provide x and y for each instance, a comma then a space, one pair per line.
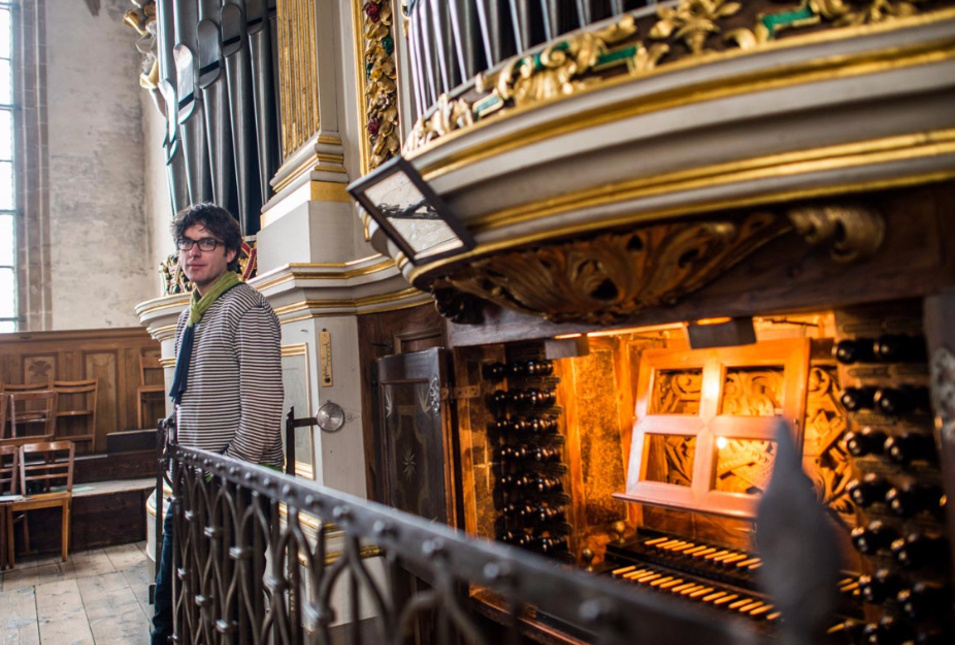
233, 397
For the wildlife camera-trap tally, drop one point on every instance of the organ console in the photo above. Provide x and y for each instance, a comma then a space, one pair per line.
677, 514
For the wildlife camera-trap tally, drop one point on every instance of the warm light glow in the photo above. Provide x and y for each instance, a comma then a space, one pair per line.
713, 321
721, 443
635, 330
566, 336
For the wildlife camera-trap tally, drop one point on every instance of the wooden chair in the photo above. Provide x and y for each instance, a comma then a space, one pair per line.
149, 391
34, 411
4, 430
9, 474
76, 405
26, 387
9, 388
46, 481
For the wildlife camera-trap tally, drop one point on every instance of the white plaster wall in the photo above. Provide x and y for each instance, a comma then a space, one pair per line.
100, 239
157, 209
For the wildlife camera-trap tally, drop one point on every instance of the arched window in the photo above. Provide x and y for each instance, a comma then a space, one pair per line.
9, 306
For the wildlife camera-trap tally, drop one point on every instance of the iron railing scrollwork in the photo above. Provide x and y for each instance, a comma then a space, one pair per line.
262, 556
451, 41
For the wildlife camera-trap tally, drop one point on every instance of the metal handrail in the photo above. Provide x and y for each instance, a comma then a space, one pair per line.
225, 590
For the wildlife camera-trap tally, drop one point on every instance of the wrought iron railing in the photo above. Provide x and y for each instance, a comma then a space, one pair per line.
264, 557
451, 41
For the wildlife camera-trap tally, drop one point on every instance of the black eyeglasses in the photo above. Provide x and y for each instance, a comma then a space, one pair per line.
205, 244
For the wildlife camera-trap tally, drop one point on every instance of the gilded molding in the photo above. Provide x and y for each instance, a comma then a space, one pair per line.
690, 30
827, 158
377, 82
609, 277
390, 299
298, 73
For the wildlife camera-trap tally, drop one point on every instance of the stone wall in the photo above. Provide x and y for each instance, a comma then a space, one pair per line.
101, 249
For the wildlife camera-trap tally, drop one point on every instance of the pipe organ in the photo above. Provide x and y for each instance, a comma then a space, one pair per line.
218, 70
701, 320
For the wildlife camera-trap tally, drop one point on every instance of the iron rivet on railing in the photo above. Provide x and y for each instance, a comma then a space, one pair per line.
597, 611
497, 571
342, 513
433, 548
384, 529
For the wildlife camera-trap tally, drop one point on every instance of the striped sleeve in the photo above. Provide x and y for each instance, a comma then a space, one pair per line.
258, 352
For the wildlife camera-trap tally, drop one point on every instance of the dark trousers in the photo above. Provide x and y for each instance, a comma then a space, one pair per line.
162, 597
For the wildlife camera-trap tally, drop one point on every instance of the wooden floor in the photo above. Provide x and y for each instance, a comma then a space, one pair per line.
98, 596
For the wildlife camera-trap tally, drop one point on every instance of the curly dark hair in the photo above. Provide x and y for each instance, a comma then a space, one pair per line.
217, 220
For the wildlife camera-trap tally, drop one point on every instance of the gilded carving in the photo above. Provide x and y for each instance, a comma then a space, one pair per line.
569, 66
854, 232
824, 454
846, 12
676, 391
561, 69
558, 69
692, 21
752, 392
380, 96
175, 281
612, 276
448, 115
744, 465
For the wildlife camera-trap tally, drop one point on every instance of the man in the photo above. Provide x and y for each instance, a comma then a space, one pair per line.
228, 381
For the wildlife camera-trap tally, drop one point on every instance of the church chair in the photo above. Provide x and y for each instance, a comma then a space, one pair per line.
76, 409
32, 414
26, 387
46, 481
10, 388
152, 387
9, 473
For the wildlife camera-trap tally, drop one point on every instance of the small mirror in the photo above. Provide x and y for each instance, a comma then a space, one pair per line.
410, 213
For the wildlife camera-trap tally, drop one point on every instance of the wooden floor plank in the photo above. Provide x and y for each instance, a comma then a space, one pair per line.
61, 615
115, 615
139, 578
91, 563
19, 578
55, 572
18, 623
125, 556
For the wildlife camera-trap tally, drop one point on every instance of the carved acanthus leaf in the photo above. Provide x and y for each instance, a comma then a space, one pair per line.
693, 21
855, 232
612, 276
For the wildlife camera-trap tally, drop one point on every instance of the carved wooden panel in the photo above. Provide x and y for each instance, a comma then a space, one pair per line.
103, 366
414, 417
705, 424
109, 355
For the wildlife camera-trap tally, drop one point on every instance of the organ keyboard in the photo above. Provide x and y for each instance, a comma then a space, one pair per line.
721, 577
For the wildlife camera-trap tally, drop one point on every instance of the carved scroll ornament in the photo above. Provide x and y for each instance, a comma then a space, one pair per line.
612, 276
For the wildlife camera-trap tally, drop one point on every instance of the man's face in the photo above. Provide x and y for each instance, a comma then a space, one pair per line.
204, 267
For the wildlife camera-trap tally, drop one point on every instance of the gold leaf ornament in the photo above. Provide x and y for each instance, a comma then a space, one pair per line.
693, 21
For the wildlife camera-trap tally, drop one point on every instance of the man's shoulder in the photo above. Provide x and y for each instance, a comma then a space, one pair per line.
242, 297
